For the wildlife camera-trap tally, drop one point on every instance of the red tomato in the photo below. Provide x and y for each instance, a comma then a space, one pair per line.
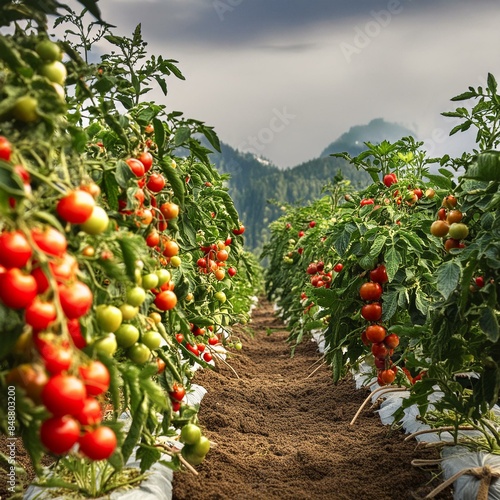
479, 281
370, 291
76, 207
153, 238
76, 299
91, 413
146, 158
15, 251
166, 300
193, 349
57, 359
390, 179
98, 444
231, 271
379, 274
156, 183
372, 312
338, 267
59, 434
64, 395
17, 290
178, 392
170, 248
136, 166
375, 333
96, 377
207, 357
366, 201
387, 376
179, 337
62, 270
379, 350
50, 241
40, 314
169, 210
391, 341
5, 149
75, 333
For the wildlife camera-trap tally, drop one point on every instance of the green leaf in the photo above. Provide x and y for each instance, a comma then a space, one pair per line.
489, 324
492, 84
110, 188
175, 181
159, 133
392, 262
131, 247
447, 278
148, 456
139, 417
439, 181
390, 304
182, 134
123, 174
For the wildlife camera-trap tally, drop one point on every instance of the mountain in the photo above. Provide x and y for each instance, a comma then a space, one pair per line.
260, 189
376, 131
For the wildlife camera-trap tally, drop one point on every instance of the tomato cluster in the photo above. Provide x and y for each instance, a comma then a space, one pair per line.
448, 224
319, 277
375, 334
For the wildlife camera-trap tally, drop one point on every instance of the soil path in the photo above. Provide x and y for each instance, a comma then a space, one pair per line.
281, 435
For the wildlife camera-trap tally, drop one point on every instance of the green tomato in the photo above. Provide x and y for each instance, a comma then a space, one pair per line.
191, 457
458, 231
48, 51
97, 223
152, 339
106, 345
201, 447
109, 318
25, 109
139, 353
220, 296
55, 71
238, 346
150, 281
190, 434
175, 261
136, 296
163, 276
128, 312
127, 335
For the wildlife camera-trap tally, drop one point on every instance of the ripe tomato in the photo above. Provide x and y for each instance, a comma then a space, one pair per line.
40, 314
439, 228
17, 290
222, 255
479, 281
59, 434
136, 166
64, 395
160, 364
96, 377
418, 193
379, 350
178, 392
207, 357
146, 158
449, 202
387, 376
166, 300
370, 291
98, 444
76, 299
63, 270
91, 413
454, 216
193, 349
153, 238
156, 183
372, 312
379, 274
391, 341
56, 358
31, 378
169, 210
76, 207
232, 271
50, 241
75, 333
366, 201
338, 267
390, 179
441, 215
375, 333
15, 251
220, 274
179, 337
451, 243
5, 149
170, 248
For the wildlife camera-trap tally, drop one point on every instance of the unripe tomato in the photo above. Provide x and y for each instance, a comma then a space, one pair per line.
55, 71
152, 339
439, 228
458, 231
139, 353
109, 318
449, 202
48, 51
97, 223
127, 335
26, 109
136, 296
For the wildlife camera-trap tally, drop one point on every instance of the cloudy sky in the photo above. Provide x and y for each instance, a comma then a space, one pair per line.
284, 78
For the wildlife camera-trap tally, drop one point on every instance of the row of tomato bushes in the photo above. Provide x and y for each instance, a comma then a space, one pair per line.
403, 275
122, 264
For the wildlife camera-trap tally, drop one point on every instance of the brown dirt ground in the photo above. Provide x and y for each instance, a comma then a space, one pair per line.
281, 435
